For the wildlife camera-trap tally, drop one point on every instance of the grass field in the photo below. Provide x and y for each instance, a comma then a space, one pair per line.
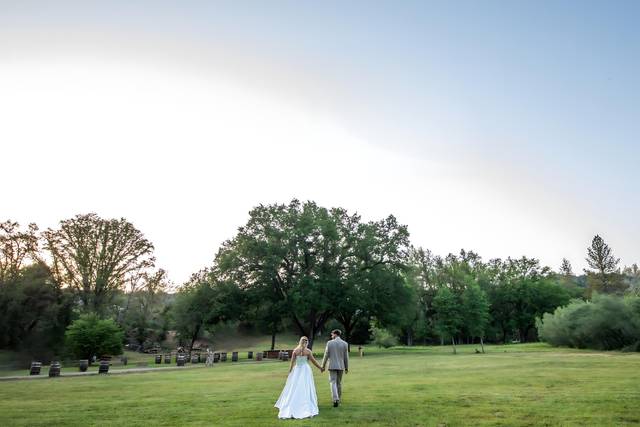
529, 384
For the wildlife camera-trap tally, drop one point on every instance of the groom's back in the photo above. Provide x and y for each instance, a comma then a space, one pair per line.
338, 354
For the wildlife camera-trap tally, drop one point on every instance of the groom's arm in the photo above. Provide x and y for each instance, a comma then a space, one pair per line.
346, 359
325, 356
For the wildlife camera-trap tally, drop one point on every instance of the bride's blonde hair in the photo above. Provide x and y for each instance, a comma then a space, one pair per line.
302, 344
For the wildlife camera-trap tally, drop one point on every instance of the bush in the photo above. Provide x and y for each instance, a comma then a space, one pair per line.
90, 335
383, 338
606, 323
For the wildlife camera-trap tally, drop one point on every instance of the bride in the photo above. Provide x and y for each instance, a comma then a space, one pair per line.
298, 398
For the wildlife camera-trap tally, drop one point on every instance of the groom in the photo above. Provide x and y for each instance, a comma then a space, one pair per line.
337, 352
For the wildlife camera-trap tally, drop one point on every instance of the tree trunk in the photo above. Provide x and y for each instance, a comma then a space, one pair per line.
482, 344
409, 337
273, 340
194, 337
453, 342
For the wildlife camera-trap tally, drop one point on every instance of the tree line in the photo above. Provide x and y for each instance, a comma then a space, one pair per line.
295, 267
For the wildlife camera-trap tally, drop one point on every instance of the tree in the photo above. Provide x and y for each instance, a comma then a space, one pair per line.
565, 268
96, 256
632, 278
34, 312
606, 277
91, 336
568, 280
309, 258
448, 315
423, 277
204, 302
16, 247
475, 307
142, 316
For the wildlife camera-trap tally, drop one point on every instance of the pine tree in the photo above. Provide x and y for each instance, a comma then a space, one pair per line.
606, 277
565, 268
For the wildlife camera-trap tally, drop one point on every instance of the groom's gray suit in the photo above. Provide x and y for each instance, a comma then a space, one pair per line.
337, 352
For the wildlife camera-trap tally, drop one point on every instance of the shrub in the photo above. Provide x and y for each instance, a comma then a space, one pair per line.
606, 323
90, 335
383, 338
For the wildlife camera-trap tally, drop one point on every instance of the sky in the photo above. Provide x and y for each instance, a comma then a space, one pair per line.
506, 128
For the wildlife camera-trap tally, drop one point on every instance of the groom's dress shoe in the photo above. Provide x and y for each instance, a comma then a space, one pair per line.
335, 404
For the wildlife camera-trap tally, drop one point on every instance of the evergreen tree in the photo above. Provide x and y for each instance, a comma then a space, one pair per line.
605, 277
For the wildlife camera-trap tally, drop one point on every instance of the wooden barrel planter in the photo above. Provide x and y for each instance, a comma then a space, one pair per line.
234, 356
180, 360
195, 359
167, 358
272, 354
54, 369
250, 355
84, 365
158, 359
285, 356
216, 357
35, 368
223, 357
259, 356
104, 367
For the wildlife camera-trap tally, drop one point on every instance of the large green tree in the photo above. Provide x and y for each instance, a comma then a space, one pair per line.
318, 262
95, 257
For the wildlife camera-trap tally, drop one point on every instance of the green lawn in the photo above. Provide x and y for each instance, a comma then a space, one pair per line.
511, 385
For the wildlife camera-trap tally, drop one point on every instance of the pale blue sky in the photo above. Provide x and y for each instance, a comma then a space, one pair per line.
494, 116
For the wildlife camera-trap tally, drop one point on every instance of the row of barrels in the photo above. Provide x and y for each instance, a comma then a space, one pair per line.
181, 360
55, 367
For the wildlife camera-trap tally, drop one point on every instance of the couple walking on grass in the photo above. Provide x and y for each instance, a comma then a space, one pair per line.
298, 398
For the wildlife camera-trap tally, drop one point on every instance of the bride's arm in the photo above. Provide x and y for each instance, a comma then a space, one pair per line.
313, 360
293, 359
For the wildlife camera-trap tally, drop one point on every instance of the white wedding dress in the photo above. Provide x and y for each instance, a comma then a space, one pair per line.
298, 399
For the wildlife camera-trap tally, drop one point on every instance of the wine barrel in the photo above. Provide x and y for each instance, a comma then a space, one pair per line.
84, 365
223, 356
180, 360
54, 369
250, 355
104, 367
35, 368
234, 356
194, 358
259, 356
216, 357
158, 359
167, 358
